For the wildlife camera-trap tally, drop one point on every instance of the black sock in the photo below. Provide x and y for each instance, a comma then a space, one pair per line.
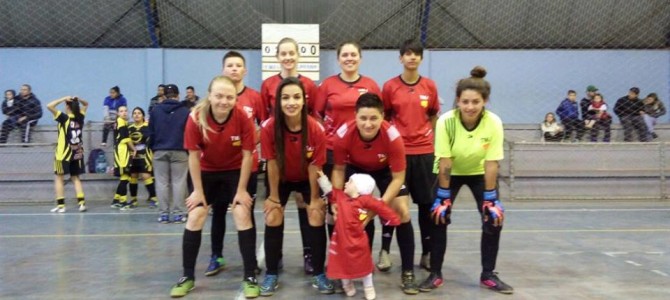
370, 232
133, 190
425, 228
387, 237
122, 189
218, 227
304, 230
151, 189
273, 244
247, 241
405, 237
318, 248
190, 247
60, 201
438, 236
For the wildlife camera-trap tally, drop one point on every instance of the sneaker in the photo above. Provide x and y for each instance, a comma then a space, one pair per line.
250, 288
116, 204
337, 286
491, 281
216, 265
257, 270
323, 284
425, 261
370, 293
384, 263
58, 209
349, 288
179, 219
654, 135
183, 286
164, 218
82, 208
153, 203
432, 282
129, 206
409, 286
307, 263
270, 285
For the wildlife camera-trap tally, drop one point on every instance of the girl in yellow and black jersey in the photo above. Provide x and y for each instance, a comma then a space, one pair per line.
124, 150
69, 154
141, 163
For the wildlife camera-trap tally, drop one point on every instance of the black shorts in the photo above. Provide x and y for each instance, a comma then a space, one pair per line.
220, 187
382, 177
419, 178
286, 187
141, 165
73, 167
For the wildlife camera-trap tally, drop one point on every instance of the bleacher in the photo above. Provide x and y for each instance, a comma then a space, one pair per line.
532, 170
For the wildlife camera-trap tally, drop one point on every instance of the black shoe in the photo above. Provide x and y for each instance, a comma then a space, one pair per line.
409, 286
491, 281
432, 282
654, 135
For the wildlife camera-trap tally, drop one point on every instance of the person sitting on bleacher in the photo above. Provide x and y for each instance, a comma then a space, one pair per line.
630, 109
568, 111
27, 109
653, 109
8, 108
551, 131
598, 118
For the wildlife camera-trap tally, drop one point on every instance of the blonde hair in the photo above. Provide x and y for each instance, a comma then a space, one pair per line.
288, 40
201, 110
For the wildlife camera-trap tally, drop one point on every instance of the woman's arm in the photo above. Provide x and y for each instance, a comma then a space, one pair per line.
52, 105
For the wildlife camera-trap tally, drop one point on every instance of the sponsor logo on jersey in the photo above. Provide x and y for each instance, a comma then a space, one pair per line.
382, 157
342, 130
424, 100
310, 151
393, 133
249, 110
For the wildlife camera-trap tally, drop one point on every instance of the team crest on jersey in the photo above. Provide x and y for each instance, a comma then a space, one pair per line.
362, 91
310, 151
342, 130
424, 100
362, 214
392, 133
381, 157
235, 140
249, 110
486, 142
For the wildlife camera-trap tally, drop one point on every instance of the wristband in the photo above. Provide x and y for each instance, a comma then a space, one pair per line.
273, 201
490, 195
444, 193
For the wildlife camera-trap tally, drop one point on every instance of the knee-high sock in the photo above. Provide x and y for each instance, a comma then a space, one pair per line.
218, 227
387, 237
121, 191
489, 246
318, 242
370, 232
247, 241
304, 230
438, 236
425, 228
190, 247
406, 244
151, 188
133, 188
274, 236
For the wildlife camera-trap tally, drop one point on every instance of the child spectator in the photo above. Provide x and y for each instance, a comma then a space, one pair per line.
110, 108
551, 130
599, 119
349, 251
568, 111
653, 109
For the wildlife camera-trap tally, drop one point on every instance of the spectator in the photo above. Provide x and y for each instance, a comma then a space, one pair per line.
629, 109
8, 108
24, 115
160, 96
597, 112
569, 114
191, 98
653, 109
166, 130
551, 131
110, 110
591, 91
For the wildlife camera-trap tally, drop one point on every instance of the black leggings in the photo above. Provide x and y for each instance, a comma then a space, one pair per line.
490, 238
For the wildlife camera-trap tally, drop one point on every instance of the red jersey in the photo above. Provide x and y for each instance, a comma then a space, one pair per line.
315, 148
269, 93
349, 253
223, 150
409, 107
385, 150
250, 101
336, 101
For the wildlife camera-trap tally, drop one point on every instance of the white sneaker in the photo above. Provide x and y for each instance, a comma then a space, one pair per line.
82, 208
349, 288
370, 293
58, 209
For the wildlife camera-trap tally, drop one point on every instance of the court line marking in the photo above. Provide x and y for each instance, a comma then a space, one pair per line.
660, 273
614, 254
476, 231
412, 210
633, 263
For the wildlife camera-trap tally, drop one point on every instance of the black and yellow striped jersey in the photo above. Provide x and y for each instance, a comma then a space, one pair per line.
69, 136
139, 135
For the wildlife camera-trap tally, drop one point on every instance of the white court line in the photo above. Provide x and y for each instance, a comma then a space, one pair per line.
614, 254
655, 252
633, 263
660, 273
260, 258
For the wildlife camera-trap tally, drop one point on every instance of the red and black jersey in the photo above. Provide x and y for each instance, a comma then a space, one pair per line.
269, 93
223, 149
409, 108
315, 148
336, 101
251, 102
385, 150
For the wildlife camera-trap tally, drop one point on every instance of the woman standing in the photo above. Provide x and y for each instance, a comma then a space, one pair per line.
69, 156
293, 144
142, 163
468, 148
219, 137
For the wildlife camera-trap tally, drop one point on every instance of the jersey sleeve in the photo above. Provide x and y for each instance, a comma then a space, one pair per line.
383, 210
60, 117
434, 101
267, 141
397, 159
248, 130
192, 135
442, 138
321, 98
319, 138
340, 146
312, 95
124, 135
265, 99
496, 150
387, 95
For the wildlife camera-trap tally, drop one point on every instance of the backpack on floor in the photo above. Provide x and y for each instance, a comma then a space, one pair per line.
96, 159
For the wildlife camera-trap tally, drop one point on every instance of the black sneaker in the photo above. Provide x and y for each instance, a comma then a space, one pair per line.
432, 282
408, 285
491, 281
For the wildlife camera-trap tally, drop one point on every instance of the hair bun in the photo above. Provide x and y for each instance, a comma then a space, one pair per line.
478, 72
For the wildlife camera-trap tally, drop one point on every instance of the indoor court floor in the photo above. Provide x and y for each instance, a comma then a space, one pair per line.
549, 250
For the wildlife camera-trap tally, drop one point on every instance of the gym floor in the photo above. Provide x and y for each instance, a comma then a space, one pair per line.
549, 250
